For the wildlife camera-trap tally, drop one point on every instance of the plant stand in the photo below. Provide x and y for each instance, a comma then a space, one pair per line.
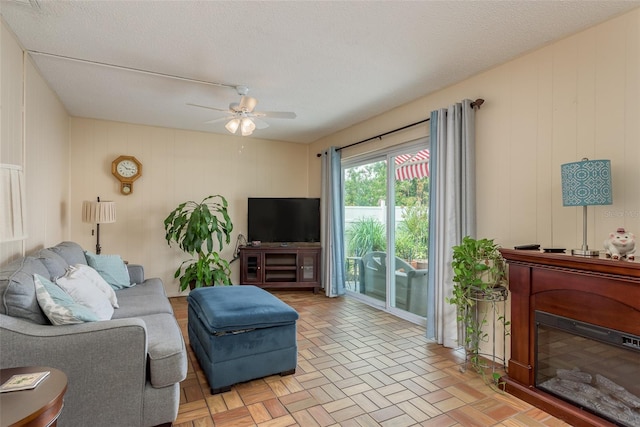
493, 297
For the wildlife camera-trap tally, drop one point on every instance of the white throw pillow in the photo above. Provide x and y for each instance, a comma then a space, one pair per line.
59, 307
96, 279
86, 293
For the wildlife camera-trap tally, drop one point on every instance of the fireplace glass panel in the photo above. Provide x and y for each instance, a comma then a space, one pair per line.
594, 368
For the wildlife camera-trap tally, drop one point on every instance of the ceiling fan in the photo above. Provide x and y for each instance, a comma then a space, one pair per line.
242, 115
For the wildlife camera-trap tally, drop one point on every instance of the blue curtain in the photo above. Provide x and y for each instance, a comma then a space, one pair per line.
451, 208
332, 224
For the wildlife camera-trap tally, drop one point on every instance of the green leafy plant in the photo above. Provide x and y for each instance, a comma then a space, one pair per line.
479, 274
366, 234
477, 267
196, 228
405, 245
412, 237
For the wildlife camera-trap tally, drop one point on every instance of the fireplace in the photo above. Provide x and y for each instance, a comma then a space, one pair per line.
595, 368
575, 320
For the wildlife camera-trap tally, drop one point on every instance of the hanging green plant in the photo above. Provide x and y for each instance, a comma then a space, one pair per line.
479, 274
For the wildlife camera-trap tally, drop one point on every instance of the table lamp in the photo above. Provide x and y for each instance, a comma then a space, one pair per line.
98, 213
586, 183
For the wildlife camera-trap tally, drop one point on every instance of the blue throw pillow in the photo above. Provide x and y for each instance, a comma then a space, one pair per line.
58, 306
112, 269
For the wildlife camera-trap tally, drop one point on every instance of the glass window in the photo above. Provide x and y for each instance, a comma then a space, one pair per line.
386, 200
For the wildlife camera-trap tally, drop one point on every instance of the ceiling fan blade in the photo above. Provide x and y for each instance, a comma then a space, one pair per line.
276, 114
247, 104
208, 108
260, 124
221, 119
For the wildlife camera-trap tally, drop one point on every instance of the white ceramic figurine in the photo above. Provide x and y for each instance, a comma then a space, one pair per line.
620, 245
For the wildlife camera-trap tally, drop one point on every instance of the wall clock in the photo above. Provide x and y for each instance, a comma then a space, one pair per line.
127, 169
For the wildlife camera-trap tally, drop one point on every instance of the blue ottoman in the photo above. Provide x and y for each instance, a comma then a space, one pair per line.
240, 333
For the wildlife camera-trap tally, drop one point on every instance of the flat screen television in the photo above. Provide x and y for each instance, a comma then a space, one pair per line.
283, 220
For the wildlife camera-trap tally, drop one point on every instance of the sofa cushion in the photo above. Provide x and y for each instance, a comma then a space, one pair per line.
151, 286
18, 291
87, 294
59, 307
166, 350
143, 299
71, 252
56, 265
111, 268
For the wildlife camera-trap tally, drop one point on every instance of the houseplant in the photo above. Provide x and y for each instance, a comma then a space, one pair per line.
365, 235
412, 235
193, 226
479, 274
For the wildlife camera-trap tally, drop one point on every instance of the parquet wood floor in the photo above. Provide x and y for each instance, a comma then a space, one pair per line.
357, 366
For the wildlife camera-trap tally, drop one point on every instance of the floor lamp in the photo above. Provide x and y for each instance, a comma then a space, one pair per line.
98, 213
586, 183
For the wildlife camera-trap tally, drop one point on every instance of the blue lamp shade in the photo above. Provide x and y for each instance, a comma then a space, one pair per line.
586, 183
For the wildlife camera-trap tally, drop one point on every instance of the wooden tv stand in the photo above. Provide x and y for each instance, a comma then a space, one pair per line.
282, 266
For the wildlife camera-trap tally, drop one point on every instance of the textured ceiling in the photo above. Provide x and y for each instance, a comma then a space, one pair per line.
332, 63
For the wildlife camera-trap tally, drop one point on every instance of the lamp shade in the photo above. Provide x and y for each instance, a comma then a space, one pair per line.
232, 125
12, 204
247, 126
98, 212
586, 183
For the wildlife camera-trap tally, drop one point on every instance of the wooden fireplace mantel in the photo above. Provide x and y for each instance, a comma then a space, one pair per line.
598, 291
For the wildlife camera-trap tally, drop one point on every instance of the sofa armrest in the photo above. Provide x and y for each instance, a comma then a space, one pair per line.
136, 273
105, 363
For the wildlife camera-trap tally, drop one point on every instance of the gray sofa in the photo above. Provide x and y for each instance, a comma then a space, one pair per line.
121, 372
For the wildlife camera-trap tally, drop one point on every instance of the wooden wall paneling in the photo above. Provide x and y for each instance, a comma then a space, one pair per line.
547, 171
46, 162
522, 165
630, 172
83, 177
37, 166
565, 145
610, 90
11, 130
11, 75
493, 154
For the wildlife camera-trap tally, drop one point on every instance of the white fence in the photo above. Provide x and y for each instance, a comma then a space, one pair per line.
353, 213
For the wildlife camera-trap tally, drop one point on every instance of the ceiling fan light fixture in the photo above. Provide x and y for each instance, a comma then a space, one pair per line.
247, 126
241, 115
232, 125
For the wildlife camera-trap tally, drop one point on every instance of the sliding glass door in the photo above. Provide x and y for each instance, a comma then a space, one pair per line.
365, 199
386, 228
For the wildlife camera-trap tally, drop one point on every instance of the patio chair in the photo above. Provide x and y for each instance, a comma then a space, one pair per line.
411, 283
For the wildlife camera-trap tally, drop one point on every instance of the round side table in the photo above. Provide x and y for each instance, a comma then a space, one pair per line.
38, 407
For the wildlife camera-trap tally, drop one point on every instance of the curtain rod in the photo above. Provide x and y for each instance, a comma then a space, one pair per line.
475, 104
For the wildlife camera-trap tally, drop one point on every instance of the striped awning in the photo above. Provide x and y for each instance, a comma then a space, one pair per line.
410, 166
